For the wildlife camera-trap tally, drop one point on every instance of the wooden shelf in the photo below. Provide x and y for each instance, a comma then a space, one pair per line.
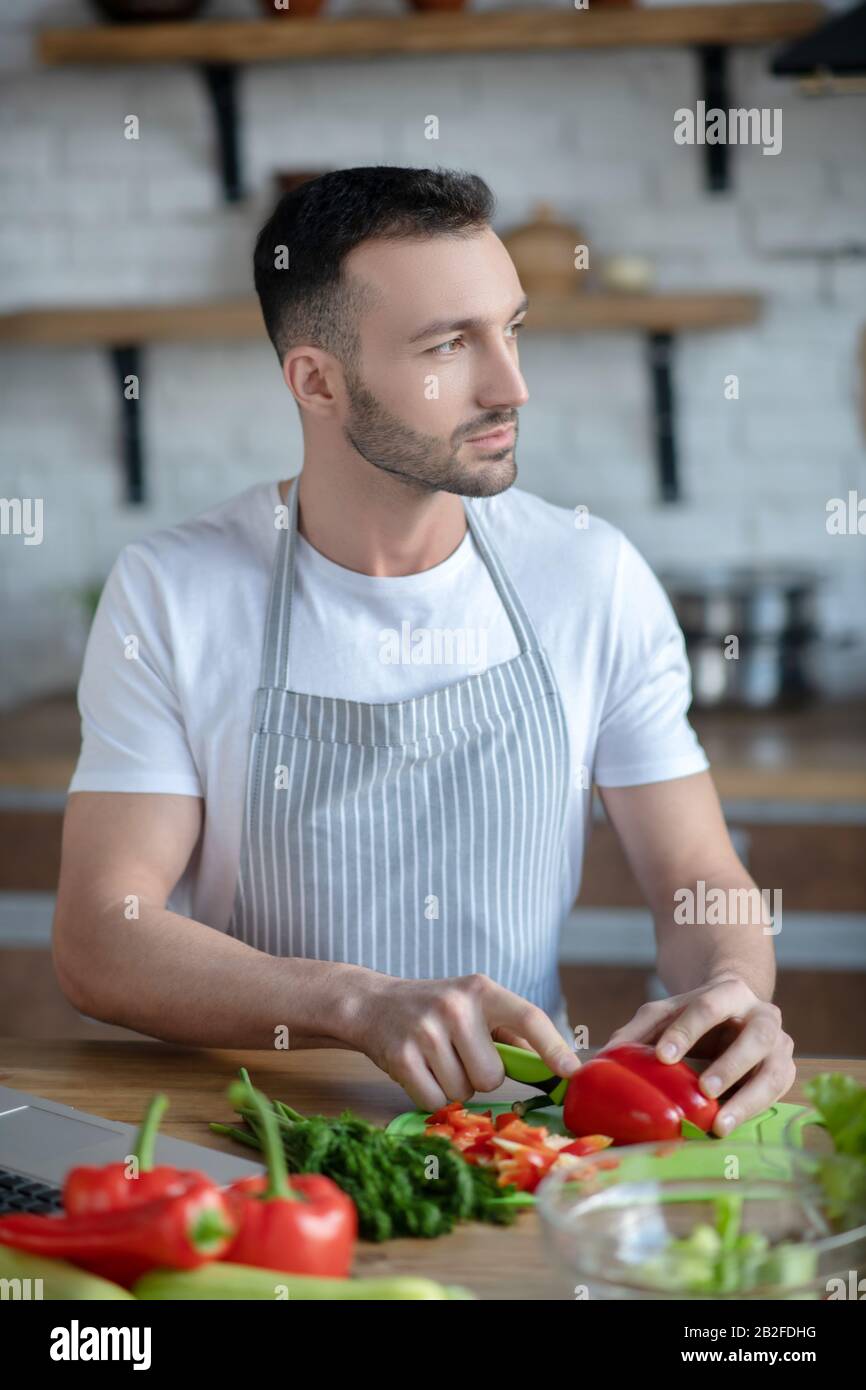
219, 48
241, 320
499, 31
228, 321
651, 313
123, 331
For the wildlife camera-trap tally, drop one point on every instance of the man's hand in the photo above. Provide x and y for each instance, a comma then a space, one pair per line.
724, 1020
435, 1037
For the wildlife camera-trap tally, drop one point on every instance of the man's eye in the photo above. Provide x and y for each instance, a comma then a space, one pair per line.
439, 350
440, 346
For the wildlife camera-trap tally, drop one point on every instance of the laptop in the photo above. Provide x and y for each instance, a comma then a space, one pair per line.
40, 1140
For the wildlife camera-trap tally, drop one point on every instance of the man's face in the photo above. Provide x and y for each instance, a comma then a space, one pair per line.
438, 364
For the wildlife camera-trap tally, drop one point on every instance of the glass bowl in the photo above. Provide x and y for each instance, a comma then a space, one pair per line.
697, 1220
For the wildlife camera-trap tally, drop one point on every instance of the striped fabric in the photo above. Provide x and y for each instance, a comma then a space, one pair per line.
423, 838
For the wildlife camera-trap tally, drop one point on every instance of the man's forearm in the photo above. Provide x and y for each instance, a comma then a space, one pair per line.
178, 980
702, 935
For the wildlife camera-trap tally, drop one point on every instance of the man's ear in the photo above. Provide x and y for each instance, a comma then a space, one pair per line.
311, 376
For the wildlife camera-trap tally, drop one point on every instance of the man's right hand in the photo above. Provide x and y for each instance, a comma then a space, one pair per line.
435, 1037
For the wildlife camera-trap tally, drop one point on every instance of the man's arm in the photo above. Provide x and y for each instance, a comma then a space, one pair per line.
179, 980
158, 972
674, 834
721, 976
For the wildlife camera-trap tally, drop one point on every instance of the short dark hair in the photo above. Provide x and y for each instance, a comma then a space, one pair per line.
322, 220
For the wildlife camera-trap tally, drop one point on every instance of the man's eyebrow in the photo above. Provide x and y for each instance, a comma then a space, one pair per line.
440, 326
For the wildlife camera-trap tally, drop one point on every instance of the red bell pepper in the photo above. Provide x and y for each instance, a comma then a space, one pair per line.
308, 1226
179, 1232
628, 1093
676, 1079
112, 1186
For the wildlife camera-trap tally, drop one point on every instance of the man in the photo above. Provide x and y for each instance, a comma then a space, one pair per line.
347, 726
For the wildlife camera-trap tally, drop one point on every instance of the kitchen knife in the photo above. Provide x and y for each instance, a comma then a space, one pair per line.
528, 1067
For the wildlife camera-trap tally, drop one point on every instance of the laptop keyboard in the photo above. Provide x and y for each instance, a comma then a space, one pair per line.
18, 1193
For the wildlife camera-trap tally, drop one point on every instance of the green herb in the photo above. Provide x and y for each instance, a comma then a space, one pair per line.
386, 1175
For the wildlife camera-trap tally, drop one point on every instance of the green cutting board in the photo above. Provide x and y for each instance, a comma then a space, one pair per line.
779, 1124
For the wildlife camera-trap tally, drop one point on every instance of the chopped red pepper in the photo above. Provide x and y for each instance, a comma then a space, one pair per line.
446, 1131
521, 1154
446, 1114
588, 1144
536, 1136
308, 1226
467, 1119
524, 1166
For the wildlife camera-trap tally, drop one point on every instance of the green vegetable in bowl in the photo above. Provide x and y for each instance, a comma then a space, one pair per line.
720, 1259
841, 1103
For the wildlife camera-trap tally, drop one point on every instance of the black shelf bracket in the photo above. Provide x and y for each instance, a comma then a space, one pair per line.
127, 362
221, 82
714, 92
660, 346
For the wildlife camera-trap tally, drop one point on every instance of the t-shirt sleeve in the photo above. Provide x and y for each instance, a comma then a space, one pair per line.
644, 733
134, 736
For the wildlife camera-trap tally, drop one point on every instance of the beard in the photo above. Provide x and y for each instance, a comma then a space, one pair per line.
423, 462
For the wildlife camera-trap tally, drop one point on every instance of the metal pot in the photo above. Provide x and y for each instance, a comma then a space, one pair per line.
745, 601
767, 671
771, 612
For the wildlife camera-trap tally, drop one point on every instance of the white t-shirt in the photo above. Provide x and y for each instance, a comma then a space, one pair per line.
173, 659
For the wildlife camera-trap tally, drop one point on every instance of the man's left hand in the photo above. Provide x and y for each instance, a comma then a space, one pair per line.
726, 1021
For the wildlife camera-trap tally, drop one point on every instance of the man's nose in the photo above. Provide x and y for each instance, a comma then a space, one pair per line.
504, 385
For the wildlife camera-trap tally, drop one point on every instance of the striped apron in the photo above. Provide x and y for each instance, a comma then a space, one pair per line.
425, 838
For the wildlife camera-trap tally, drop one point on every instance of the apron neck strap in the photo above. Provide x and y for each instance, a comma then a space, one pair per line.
275, 653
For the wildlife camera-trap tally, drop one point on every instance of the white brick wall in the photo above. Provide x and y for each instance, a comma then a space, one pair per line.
86, 216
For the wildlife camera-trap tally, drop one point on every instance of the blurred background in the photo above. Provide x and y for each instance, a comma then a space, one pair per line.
695, 355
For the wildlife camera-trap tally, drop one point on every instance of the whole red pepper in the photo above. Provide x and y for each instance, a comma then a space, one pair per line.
676, 1079
308, 1226
628, 1093
179, 1232
113, 1186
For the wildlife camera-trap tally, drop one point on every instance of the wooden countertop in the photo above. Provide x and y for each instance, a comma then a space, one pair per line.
116, 1079
815, 754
